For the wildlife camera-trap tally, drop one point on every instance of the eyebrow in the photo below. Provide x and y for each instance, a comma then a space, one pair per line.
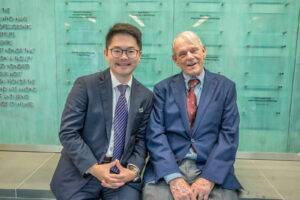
192, 48
122, 48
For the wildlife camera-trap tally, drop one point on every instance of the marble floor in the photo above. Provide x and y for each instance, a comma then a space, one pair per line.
26, 175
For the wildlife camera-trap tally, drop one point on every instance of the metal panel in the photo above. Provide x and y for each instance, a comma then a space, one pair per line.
294, 126
252, 42
30, 115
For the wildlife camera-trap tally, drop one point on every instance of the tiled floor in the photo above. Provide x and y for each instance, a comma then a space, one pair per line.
26, 175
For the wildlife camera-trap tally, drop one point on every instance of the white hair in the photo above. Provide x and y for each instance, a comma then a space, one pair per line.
190, 36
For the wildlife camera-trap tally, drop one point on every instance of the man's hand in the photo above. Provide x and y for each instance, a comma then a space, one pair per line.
180, 189
102, 173
124, 176
202, 188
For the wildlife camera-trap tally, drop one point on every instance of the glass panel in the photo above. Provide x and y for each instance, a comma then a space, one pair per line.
252, 42
28, 103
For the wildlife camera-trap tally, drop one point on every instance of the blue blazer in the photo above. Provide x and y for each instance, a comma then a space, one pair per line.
86, 129
215, 133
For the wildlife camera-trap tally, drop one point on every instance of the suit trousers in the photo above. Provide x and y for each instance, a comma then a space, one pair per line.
190, 172
94, 190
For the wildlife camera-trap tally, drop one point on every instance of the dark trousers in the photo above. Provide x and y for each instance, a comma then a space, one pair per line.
94, 190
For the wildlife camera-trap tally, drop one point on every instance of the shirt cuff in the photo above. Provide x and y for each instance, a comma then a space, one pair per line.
169, 177
134, 166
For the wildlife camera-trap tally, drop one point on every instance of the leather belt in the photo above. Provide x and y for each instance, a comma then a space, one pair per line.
106, 160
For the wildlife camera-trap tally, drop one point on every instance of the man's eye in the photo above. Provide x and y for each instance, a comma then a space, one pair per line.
130, 51
182, 54
117, 50
194, 50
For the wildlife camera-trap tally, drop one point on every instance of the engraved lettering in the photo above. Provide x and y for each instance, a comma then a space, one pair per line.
13, 50
7, 19
27, 89
21, 19
29, 50
12, 89
3, 58
22, 96
5, 42
23, 58
17, 66
17, 50
15, 73
3, 89
5, 10
3, 103
16, 61
23, 104
8, 96
15, 26
31, 82
4, 73
17, 81
7, 34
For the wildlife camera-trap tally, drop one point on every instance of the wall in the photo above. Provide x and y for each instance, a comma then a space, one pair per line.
46, 44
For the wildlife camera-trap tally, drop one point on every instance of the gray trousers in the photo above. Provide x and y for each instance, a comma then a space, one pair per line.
190, 172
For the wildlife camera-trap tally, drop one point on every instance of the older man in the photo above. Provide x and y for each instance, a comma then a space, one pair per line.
193, 130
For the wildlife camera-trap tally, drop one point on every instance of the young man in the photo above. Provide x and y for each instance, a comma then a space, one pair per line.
103, 126
192, 135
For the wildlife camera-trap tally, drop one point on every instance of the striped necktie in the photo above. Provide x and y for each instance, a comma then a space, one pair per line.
120, 125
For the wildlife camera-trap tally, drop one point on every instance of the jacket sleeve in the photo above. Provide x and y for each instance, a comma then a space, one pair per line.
161, 154
72, 123
222, 156
139, 154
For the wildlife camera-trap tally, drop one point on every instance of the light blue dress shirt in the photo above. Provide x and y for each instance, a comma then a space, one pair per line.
198, 90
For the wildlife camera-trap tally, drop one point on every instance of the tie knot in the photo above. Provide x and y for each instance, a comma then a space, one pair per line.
193, 82
122, 89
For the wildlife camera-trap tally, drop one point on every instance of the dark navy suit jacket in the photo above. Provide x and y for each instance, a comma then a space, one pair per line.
215, 133
86, 129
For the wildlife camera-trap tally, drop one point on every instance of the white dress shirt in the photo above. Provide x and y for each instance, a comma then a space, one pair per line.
115, 95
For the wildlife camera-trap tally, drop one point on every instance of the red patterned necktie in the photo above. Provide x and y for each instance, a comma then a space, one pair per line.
191, 102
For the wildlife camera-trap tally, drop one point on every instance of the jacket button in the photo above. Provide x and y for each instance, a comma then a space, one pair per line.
192, 140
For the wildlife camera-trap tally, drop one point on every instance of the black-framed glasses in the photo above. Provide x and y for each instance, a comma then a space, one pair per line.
130, 53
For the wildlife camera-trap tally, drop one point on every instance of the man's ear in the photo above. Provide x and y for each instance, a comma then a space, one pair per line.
204, 51
174, 58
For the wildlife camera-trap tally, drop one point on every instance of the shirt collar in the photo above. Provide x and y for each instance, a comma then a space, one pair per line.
187, 78
116, 82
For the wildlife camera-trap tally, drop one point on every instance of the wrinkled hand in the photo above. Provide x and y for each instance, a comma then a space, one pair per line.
102, 173
180, 189
202, 188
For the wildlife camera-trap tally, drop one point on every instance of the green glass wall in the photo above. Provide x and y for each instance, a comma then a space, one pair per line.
46, 44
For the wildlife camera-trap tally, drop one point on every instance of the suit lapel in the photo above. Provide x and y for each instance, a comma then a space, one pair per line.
208, 90
105, 88
135, 101
178, 90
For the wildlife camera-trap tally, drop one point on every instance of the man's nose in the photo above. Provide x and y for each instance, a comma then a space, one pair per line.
124, 55
189, 55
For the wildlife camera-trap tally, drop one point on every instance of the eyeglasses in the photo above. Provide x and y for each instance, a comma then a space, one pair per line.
130, 53
192, 51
